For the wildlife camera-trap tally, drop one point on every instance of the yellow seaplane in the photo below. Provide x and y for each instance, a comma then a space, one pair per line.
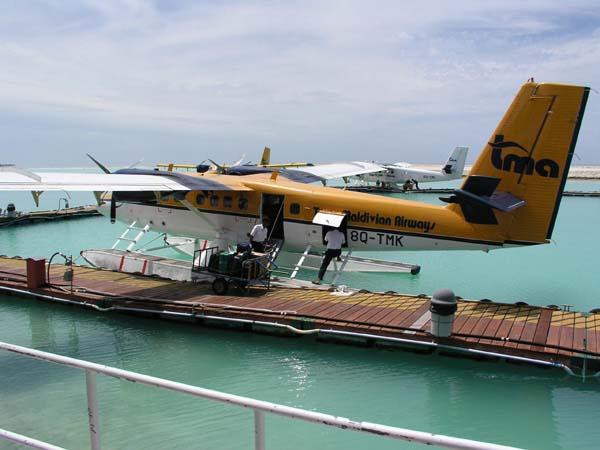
510, 197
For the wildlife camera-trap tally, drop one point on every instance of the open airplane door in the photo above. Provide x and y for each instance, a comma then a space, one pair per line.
330, 220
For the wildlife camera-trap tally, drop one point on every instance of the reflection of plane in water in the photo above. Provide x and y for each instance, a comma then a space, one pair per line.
393, 175
510, 197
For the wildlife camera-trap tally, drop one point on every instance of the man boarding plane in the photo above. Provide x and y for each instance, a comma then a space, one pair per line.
510, 197
393, 175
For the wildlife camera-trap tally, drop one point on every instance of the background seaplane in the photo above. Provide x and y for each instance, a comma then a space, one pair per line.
265, 162
398, 174
384, 175
510, 197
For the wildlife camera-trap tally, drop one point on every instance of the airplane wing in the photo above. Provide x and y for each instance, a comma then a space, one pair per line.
341, 170
291, 174
129, 180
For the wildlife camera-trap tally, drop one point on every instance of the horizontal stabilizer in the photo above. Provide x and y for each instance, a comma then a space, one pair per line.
478, 198
481, 186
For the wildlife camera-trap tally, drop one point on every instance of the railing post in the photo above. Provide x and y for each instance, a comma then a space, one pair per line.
259, 430
90, 381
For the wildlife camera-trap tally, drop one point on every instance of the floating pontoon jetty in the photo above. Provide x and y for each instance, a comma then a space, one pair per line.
22, 218
548, 336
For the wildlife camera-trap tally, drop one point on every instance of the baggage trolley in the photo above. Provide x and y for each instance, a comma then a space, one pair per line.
231, 268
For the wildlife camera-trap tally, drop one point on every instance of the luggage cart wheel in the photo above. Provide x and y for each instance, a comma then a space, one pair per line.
220, 286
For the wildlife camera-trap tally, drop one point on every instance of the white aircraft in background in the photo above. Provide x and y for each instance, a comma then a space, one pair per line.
383, 175
393, 175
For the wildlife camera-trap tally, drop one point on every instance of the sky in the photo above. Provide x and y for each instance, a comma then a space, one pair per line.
181, 81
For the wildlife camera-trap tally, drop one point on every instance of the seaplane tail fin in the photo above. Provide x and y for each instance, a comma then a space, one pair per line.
456, 161
266, 157
518, 180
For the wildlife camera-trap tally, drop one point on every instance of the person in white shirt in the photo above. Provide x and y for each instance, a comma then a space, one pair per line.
335, 239
258, 236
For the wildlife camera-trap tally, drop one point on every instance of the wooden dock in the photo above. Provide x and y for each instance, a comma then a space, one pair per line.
22, 218
482, 329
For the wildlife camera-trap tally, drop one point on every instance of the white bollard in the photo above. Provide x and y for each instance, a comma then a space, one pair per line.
443, 306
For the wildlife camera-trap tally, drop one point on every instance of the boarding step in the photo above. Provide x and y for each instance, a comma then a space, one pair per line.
132, 241
274, 248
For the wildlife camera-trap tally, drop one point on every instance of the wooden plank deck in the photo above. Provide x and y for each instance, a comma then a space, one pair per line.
539, 333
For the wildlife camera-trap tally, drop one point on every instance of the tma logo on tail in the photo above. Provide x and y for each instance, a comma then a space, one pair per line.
520, 164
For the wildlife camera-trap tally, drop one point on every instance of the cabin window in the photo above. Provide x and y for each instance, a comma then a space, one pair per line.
243, 203
214, 200
200, 199
227, 202
295, 208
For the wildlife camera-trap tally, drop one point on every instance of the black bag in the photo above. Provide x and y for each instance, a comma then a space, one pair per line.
213, 263
236, 265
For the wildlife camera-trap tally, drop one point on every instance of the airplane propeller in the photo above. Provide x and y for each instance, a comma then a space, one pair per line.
220, 168
239, 161
99, 164
135, 164
113, 198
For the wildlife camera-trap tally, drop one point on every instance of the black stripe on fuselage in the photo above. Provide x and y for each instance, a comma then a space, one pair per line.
183, 208
352, 227
409, 233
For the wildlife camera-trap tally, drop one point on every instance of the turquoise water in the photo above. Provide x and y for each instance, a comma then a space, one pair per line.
495, 402
498, 402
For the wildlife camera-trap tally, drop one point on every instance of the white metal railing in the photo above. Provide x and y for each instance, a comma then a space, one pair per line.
259, 407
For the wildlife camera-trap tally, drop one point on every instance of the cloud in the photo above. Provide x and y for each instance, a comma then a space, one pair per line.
325, 73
